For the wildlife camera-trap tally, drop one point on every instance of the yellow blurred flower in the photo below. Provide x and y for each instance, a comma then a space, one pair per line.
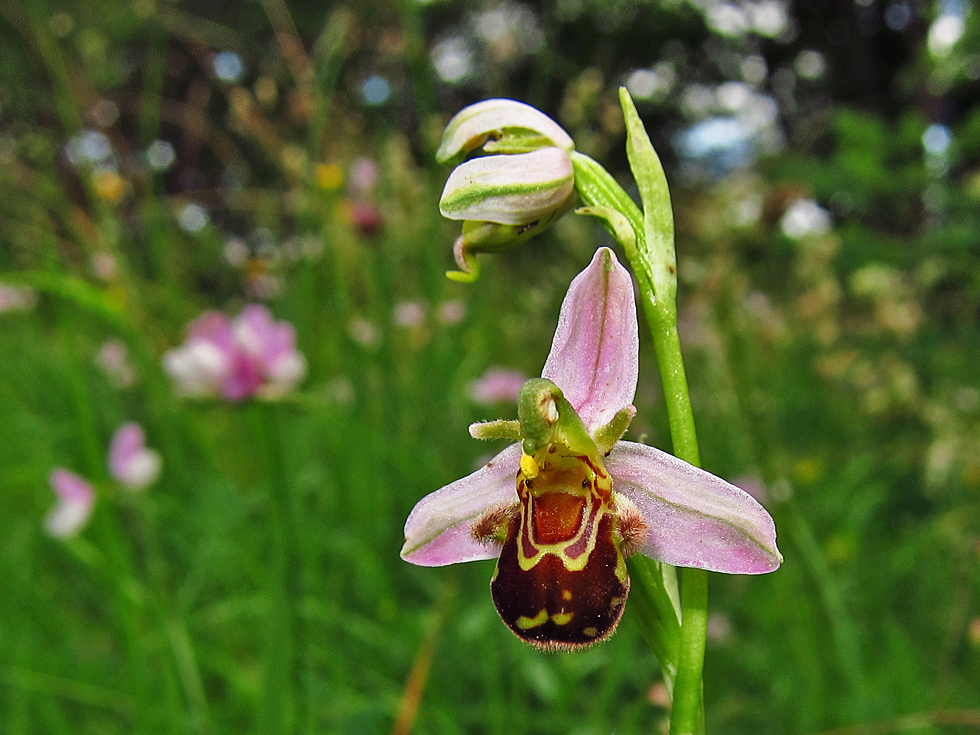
109, 185
808, 470
329, 176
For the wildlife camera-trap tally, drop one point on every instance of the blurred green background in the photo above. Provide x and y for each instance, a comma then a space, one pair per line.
163, 157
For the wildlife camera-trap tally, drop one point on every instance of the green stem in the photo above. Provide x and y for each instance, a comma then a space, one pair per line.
650, 250
120, 569
656, 609
278, 712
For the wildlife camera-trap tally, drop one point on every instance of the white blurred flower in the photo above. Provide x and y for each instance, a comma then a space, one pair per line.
104, 265
363, 332
805, 218
113, 359
17, 298
409, 314
451, 312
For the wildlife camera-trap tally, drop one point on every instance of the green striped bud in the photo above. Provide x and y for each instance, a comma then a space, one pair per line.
500, 126
518, 181
509, 189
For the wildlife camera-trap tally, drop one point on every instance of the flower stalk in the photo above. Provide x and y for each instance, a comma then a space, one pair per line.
650, 250
586, 499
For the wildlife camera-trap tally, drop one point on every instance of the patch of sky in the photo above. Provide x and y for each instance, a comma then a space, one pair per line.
227, 66
376, 90
947, 28
717, 146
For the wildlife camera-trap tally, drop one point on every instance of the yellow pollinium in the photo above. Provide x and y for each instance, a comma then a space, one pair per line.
529, 467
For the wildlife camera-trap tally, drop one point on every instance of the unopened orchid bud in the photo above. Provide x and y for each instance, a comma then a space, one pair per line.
522, 183
500, 126
493, 237
511, 190
505, 200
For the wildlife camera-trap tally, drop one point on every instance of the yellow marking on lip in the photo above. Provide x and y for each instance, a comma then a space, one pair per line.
562, 618
566, 594
526, 623
591, 632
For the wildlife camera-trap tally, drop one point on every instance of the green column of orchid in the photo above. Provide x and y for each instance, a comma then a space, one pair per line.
648, 238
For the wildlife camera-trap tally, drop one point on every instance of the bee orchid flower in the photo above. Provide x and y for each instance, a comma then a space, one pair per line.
562, 507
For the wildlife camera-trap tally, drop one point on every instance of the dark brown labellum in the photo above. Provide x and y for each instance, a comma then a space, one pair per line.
561, 581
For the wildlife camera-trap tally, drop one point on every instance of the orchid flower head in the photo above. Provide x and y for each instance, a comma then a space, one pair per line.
562, 508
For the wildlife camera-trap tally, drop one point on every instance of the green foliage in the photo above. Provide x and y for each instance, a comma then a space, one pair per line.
257, 586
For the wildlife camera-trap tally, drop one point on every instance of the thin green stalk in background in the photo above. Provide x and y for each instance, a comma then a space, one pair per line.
279, 711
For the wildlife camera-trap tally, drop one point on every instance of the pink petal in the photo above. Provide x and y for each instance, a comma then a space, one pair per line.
70, 488
497, 385
254, 329
594, 355
243, 379
437, 531
76, 499
695, 519
214, 327
130, 461
126, 444
264, 345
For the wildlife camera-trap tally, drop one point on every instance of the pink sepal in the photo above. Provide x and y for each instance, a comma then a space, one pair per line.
694, 519
594, 356
437, 531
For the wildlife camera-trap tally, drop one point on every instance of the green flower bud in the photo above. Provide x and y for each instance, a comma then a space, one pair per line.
500, 126
522, 183
509, 189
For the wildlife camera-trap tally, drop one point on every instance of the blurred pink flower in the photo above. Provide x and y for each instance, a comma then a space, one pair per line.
451, 312
497, 385
113, 359
130, 461
14, 298
754, 486
362, 177
364, 332
76, 498
409, 314
237, 358
104, 266
366, 218
719, 629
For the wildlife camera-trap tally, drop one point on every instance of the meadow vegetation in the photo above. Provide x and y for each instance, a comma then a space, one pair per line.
162, 159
